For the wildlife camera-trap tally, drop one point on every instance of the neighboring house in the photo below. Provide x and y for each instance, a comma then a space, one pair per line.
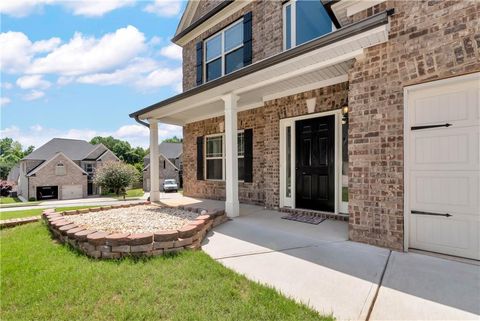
14, 174
62, 169
366, 111
170, 164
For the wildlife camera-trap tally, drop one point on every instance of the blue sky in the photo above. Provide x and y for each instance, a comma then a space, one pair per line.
77, 69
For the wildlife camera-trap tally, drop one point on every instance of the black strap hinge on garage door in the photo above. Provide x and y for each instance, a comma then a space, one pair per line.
430, 126
430, 213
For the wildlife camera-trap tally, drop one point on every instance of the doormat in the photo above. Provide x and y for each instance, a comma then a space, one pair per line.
310, 219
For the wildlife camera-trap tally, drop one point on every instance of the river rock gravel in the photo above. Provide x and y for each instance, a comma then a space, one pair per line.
135, 219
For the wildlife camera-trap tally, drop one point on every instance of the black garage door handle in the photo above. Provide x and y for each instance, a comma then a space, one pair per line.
430, 126
430, 213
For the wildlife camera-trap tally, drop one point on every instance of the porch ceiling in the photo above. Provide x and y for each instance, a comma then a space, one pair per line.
316, 64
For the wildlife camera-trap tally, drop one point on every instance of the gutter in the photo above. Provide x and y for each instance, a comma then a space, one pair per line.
353, 29
141, 122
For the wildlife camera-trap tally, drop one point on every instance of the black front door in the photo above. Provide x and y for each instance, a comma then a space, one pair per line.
315, 164
89, 188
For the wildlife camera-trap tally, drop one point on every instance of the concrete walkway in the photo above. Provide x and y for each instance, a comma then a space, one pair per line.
317, 265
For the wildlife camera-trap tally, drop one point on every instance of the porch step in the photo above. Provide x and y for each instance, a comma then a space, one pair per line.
338, 217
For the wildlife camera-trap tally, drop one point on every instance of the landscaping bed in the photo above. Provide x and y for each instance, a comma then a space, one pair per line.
142, 229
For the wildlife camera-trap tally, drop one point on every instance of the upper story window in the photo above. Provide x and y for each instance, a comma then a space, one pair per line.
88, 167
60, 169
224, 51
304, 20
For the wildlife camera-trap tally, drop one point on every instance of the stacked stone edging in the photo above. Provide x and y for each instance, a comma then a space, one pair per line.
18, 221
105, 245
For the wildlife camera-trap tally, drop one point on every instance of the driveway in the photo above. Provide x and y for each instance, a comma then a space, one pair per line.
317, 265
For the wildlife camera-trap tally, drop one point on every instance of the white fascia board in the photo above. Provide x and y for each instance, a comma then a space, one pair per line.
213, 21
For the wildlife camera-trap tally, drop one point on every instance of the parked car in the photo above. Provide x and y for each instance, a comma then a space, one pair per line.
170, 185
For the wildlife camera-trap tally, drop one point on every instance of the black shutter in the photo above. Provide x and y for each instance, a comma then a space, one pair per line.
247, 39
199, 63
248, 155
200, 158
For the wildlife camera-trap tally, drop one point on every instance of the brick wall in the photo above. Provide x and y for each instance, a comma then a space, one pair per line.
267, 36
428, 40
265, 121
46, 177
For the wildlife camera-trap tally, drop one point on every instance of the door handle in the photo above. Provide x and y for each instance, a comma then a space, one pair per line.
430, 126
430, 213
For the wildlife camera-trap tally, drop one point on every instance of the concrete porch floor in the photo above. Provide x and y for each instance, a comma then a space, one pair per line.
317, 265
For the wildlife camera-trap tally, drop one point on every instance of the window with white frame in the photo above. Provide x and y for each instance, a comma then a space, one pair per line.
224, 51
304, 20
215, 157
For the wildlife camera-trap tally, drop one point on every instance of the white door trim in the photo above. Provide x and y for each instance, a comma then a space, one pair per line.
284, 123
406, 145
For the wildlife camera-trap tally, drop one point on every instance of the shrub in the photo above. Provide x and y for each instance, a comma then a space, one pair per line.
5, 188
116, 176
32, 199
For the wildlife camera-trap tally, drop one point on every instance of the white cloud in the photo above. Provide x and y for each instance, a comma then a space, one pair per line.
160, 78
172, 52
33, 81
136, 135
121, 76
46, 45
18, 50
164, 8
5, 101
22, 8
95, 8
33, 95
83, 54
88, 8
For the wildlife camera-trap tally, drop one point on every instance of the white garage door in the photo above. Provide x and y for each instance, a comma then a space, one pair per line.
72, 191
443, 166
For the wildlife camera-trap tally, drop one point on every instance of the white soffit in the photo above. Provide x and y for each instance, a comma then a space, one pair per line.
320, 67
344, 9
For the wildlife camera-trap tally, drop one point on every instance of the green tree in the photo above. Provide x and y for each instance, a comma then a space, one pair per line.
11, 153
173, 139
116, 176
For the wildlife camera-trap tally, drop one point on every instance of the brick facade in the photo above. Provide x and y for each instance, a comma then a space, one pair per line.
428, 40
267, 35
46, 177
265, 121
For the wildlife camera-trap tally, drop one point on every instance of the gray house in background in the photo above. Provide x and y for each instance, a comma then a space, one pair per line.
170, 165
62, 169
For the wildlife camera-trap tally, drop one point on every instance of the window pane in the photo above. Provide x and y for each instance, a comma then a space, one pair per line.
214, 69
214, 47
214, 146
288, 26
312, 20
241, 171
214, 168
241, 144
234, 36
234, 60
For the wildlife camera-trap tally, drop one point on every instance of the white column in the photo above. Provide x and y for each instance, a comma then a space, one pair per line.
154, 162
232, 206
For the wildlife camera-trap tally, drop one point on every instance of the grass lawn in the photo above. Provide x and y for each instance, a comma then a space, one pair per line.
14, 202
43, 280
37, 211
9, 200
131, 193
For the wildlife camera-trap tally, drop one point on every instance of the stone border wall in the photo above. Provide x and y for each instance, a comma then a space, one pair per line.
104, 245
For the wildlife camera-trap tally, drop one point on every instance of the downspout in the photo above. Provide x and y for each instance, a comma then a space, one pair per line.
141, 122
